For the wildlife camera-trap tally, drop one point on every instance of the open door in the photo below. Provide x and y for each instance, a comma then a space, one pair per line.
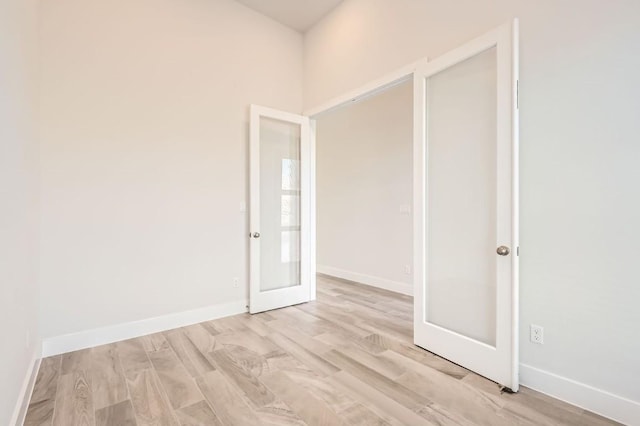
279, 209
466, 206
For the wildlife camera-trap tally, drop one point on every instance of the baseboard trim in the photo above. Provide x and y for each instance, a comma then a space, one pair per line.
601, 402
22, 404
372, 281
102, 336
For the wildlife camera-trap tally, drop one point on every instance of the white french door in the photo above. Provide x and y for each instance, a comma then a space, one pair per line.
279, 217
465, 206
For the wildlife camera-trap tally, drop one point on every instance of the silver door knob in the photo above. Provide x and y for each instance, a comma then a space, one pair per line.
503, 250
256, 235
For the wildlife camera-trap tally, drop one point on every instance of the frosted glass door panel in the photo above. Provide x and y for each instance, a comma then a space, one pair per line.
279, 204
461, 186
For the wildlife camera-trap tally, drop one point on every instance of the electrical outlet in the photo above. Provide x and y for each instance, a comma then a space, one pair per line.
407, 269
236, 282
537, 334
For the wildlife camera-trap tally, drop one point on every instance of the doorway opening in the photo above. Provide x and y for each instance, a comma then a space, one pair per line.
462, 129
364, 190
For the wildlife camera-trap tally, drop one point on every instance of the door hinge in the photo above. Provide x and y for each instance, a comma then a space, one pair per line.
518, 251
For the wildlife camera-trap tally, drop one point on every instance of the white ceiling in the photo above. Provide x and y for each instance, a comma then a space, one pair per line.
297, 14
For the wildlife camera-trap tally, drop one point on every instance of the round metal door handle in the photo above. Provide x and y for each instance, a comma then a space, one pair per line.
503, 251
256, 235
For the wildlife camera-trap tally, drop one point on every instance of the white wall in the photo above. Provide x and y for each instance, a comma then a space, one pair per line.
363, 180
579, 109
18, 199
144, 153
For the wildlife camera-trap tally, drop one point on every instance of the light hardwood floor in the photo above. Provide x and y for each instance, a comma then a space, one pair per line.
346, 359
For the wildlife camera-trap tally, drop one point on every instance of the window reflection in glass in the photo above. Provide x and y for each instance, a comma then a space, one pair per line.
290, 211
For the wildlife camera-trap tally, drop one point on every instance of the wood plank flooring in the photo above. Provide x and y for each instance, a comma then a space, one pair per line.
345, 359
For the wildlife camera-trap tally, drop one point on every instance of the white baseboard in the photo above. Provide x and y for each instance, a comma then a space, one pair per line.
102, 336
582, 395
20, 411
382, 283
601, 402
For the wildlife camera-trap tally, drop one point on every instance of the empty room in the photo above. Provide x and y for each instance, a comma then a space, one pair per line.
319, 212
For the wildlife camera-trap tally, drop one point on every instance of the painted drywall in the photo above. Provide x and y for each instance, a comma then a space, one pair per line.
19, 199
579, 105
364, 187
145, 108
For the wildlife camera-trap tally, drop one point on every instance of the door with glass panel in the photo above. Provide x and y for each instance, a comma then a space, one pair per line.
465, 206
279, 209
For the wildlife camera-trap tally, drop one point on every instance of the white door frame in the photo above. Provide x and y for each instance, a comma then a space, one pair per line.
392, 79
370, 89
260, 301
379, 85
388, 81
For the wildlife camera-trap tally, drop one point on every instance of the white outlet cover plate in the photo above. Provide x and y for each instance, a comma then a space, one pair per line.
536, 334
